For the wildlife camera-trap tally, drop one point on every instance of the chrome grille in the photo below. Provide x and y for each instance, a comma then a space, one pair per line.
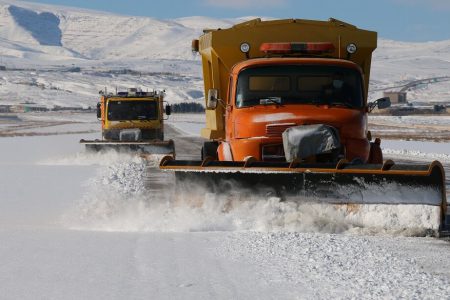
275, 130
274, 152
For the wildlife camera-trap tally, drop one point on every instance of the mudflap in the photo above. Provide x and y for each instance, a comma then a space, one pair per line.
412, 194
140, 148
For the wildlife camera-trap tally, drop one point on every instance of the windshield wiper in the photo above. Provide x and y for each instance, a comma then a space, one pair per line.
332, 103
345, 104
270, 100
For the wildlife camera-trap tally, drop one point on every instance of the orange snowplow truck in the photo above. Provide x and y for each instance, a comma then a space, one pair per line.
286, 110
262, 78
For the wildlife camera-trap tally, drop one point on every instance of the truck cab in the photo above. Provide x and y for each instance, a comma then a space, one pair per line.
133, 115
269, 95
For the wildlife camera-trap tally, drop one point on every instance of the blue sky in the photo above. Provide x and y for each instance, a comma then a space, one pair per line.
405, 20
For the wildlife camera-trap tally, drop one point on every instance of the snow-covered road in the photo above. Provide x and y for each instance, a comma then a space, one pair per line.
64, 264
68, 231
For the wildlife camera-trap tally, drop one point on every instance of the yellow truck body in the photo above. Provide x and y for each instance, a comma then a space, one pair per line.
132, 121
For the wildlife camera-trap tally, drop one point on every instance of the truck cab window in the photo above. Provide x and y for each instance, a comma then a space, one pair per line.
300, 84
132, 110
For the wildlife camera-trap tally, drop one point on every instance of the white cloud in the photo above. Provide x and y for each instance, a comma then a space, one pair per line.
245, 3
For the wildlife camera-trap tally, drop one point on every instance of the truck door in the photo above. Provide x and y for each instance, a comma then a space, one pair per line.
228, 111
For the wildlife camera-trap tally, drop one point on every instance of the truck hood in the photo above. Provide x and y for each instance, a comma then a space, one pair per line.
272, 120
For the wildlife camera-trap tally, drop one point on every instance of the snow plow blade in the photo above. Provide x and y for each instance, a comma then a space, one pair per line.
372, 195
148, 147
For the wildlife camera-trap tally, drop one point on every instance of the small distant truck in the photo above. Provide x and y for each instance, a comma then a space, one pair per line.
132, 121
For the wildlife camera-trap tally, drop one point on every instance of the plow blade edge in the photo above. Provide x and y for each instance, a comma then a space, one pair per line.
397, 188
150, 147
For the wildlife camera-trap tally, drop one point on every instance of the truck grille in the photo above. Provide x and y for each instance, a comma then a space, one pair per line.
274, 152
275, 130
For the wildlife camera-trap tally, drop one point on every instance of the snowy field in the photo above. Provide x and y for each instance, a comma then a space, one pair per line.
75, 225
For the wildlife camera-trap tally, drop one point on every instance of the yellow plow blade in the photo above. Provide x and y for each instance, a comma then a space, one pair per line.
146, 147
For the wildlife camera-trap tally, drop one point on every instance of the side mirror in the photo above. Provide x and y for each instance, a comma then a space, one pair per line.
381, 103
168, 110
211, 101
195, 46
99, 110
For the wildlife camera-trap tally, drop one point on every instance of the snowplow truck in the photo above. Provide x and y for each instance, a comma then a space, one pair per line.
286, 110
132, 121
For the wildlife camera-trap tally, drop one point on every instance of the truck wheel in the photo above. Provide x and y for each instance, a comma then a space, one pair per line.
375, 154
210, 149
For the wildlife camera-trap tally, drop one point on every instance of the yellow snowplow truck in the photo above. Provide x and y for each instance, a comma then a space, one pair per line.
286, 115
132, 121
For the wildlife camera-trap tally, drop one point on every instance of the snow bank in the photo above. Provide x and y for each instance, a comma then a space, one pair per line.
417, 150
416, 155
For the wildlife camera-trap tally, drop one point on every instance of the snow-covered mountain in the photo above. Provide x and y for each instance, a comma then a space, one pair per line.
29, 30
47, 37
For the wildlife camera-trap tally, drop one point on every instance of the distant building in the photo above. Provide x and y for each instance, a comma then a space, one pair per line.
24, 108
396, 97
439, 108
5, 108
2, 68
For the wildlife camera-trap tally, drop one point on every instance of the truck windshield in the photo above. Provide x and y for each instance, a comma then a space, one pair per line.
299, 84
132, 110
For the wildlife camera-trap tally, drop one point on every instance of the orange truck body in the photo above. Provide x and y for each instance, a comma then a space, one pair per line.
246, 131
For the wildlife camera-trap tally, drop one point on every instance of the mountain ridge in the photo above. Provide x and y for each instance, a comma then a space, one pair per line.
36, 36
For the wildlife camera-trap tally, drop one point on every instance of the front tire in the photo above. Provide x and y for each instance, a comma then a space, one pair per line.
209, 149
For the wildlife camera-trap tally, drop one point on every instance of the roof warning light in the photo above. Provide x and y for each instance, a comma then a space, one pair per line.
292, 48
